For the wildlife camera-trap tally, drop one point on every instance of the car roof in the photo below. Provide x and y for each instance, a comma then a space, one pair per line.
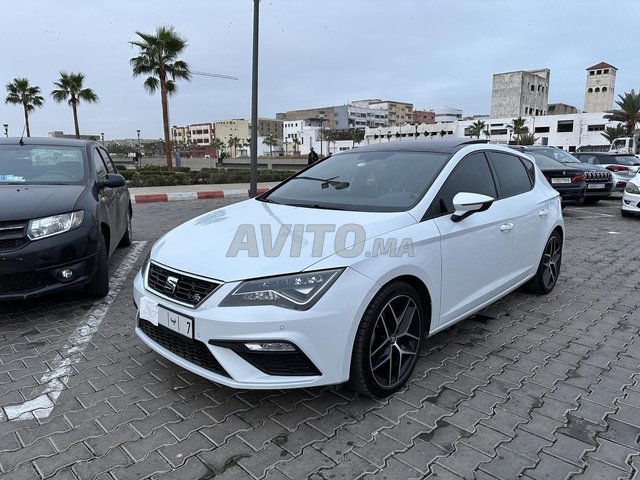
443, 145
68, 142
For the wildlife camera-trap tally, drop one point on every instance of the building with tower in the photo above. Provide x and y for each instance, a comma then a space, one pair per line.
600, 87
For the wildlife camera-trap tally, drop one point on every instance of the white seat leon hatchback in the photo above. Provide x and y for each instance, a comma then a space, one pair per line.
342, 272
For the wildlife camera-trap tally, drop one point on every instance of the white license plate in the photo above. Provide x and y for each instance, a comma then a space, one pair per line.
176, 322
560, 180
595, 185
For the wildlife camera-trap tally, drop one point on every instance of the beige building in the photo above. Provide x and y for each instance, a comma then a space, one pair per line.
327, 114
600, 87
399, 113
241, 128
520, 94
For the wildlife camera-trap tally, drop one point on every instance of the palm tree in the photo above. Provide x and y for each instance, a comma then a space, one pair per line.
234, 142
271, 141
218, 144
477, 128
19, 92
70, 88
611, 133
518, 126
296, 145
528, 139
158, 58
629, 111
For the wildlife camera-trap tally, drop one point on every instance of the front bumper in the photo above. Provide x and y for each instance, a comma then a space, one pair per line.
34, 269
322, 335
630, 202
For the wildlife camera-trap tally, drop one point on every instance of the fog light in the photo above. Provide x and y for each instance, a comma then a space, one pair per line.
270, 347
66, 274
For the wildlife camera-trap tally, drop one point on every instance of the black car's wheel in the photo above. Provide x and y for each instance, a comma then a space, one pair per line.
549, 268
98, 287
591, 200
127, 238
388, 341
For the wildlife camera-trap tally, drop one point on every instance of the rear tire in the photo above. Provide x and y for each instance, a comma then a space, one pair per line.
98, 287
388, 341
127, 238
549, 268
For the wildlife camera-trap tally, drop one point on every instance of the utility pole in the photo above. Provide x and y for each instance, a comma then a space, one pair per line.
253, 176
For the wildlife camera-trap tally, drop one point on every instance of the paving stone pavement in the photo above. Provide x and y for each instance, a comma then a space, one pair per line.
534, 387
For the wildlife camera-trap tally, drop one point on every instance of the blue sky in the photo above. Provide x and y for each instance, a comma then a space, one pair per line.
312, 53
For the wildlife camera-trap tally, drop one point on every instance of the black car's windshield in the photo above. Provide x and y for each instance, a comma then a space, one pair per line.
557, 154
41, 165
387, 181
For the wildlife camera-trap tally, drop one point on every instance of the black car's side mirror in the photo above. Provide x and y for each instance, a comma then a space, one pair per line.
113, 180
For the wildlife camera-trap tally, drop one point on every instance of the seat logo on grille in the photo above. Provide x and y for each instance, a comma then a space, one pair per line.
171, 284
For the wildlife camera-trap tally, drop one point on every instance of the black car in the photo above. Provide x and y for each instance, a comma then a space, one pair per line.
568, 181
599, 180
63, 211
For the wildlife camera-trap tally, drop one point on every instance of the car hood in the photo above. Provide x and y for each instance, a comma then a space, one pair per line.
23, 202
233, 243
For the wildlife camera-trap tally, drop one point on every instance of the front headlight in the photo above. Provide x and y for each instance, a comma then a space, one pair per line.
48, 226
300, 291
632, 188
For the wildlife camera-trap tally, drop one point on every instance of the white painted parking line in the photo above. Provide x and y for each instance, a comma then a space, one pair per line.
55, 380
590, 214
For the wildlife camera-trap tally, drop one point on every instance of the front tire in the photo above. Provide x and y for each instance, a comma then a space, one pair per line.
98, 287
388, 341
591, 200
624, 213
549, 268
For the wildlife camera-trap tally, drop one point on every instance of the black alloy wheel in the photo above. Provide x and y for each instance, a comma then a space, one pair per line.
388, 341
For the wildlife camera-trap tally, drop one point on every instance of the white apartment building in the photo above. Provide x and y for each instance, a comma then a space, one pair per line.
569, 131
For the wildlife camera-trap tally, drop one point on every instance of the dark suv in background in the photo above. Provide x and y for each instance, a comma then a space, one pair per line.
63, 210
599, 180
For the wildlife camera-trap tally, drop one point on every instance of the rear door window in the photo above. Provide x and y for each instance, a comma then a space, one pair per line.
513, 177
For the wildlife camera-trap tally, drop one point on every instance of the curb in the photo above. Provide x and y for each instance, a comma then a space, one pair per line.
178, 196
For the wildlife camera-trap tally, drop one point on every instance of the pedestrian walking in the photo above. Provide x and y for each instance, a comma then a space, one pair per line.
313, 157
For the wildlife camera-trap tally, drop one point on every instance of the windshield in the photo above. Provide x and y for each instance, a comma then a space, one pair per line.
371, 181
557, 154
41, 165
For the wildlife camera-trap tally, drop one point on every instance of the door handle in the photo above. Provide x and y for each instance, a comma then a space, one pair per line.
543, 213
505, 227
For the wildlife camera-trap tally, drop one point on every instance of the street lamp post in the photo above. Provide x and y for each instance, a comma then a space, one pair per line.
138, 131
253, 176
102, 138
6, 129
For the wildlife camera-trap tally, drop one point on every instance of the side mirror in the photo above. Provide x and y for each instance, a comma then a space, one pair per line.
634, 169
466, 204
113, 180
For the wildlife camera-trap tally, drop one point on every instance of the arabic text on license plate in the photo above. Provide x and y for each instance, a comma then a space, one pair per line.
595, 185
561, 180
176, 322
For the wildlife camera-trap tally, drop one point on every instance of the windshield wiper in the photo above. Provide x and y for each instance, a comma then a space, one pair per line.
268, 200
326, 182
314, 205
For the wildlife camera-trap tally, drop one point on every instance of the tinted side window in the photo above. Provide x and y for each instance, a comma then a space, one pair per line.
511, 173
531, 170
101, 168
111, 168
472, 175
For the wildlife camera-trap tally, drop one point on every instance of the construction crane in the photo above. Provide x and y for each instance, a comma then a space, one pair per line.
216, 75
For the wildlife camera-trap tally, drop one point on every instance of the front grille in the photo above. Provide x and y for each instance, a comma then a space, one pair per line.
12, 235
188, 290
598, 176
192, 351
21, 282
